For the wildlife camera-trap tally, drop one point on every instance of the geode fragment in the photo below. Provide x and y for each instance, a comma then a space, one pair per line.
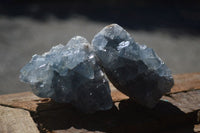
69, 74
134, 69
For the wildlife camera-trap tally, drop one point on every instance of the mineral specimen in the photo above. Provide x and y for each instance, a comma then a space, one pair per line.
69, 74
134, 69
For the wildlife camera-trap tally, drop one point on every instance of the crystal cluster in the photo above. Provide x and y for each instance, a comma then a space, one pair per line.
69, 74
134, 69
75, 73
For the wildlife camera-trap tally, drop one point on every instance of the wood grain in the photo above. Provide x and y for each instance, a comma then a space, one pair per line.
177, 110
16, 121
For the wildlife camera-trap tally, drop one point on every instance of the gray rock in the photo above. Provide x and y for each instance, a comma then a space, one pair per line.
134, 69
69, 74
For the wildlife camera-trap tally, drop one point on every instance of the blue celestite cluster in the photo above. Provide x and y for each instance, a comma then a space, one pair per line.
75, 73
134, 69
69, 74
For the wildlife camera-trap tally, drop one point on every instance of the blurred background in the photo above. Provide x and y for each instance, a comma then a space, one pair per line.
170, 27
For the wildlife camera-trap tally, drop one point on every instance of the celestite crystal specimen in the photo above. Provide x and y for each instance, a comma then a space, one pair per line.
134, 69
69, 74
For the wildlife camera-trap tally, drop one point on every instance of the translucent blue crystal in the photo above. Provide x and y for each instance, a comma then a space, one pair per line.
134, 69
69, 74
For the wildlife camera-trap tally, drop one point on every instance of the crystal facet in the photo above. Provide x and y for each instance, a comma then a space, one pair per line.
69, 74
134, 69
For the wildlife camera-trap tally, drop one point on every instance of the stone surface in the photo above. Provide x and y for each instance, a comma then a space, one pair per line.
69, 74
134, 69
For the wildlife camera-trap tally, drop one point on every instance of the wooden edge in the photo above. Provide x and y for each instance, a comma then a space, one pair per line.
25, 100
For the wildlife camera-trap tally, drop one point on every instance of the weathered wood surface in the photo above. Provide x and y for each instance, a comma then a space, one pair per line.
178, 109
186, 82
16, 121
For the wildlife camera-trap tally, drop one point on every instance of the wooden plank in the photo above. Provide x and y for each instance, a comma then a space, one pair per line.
186, 101
185, 82
197, 128
128, 117
25, 100
16, 121
178, 108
